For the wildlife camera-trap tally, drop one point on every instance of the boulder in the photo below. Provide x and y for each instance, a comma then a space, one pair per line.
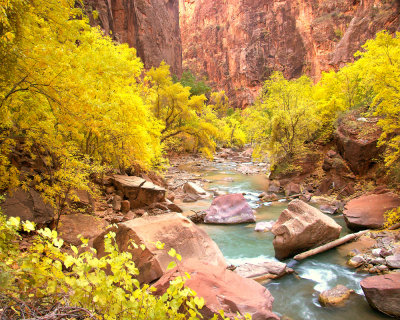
274, 186
72, 225
270, 197
172, 229
393, 261
194, 189
356, 261
138, 191
85, 201
359, 151
301, 227
28, 205
383, 293
125, 206
222, 289
264, 226
334, 297
229, 209
292, 189
116, 203
263, 270
367, 212
174, 207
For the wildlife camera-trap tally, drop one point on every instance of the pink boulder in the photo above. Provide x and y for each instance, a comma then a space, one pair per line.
383, 293
222, 289
229, 209
368, 211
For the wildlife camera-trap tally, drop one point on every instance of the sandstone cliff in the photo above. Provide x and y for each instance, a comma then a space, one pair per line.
237, 44
150, 26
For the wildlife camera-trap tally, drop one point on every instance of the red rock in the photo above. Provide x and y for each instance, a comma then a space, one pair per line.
138, 191
28, 205
367, 212
152, 27
292, 189
360, 152
383, 293
125, 206
229, 209
72, 225
223, 289
301, 227
237, 46
172, 229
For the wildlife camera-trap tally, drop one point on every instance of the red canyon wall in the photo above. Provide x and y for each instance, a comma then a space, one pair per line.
151, 26
238, 43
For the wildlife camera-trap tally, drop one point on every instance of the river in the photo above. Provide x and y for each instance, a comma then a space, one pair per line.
296, 295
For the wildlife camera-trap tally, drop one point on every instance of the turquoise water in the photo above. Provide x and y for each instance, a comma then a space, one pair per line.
296, 295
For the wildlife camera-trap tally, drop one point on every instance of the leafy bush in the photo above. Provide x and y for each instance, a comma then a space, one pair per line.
106, 287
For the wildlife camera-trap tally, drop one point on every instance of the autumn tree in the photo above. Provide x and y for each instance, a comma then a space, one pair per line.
70, 101
180, 113
283, 118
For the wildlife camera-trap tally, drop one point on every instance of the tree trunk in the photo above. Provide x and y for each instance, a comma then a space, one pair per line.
329, 245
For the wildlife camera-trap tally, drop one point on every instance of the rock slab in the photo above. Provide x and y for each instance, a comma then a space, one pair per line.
301, 227
138, 191
263, 270
175, 231
383, 293
367, 212
229, 209
72, 225
224, 290
28, 205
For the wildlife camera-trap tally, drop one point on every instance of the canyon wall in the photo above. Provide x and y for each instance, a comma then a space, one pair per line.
236, 44
150, 26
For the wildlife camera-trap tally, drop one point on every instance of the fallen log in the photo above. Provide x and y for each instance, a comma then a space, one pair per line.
329, 245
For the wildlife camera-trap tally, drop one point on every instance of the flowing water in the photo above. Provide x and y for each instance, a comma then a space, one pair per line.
296, 295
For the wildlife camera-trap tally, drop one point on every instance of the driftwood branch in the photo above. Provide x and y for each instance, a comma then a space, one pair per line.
329, 245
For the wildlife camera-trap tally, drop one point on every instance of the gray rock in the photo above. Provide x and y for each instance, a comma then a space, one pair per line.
264, 226
393, 261
378, 260
356, 261
376, 252
263, 270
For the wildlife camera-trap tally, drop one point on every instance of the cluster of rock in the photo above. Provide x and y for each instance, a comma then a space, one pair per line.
384, 257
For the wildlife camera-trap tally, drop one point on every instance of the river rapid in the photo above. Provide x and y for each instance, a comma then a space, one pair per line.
296, 295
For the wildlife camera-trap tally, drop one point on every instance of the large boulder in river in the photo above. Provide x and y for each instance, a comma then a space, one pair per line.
224, 290
383, 293
28, 205
367, 212
138, 191
229, 209
301, 227
172, 229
